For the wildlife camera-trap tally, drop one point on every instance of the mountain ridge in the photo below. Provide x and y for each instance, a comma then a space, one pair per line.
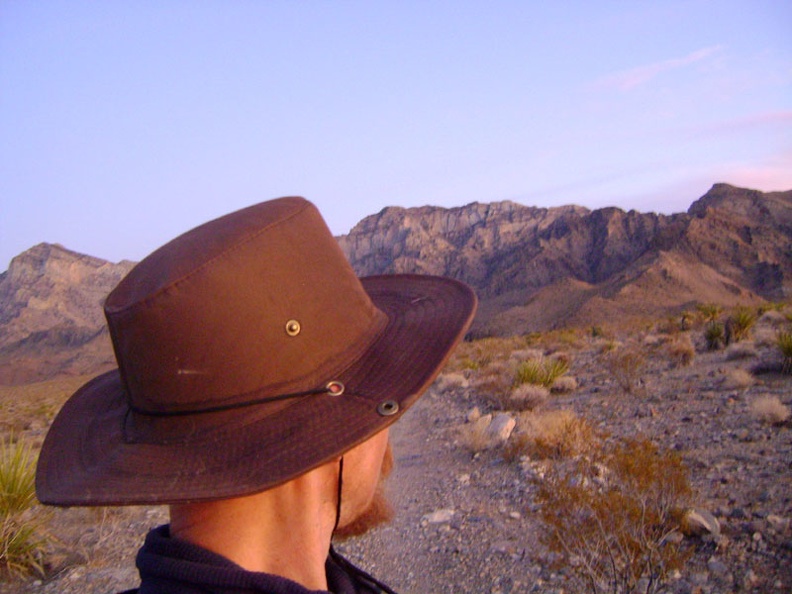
534, 269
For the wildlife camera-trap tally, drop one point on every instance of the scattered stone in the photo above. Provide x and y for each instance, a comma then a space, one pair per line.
474, 414
501, 427
440, 516
699, 522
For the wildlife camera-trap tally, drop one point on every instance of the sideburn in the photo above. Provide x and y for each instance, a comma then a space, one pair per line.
379, 512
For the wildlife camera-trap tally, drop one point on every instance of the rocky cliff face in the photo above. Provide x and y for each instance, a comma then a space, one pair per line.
537, 268
533, 268
51, 315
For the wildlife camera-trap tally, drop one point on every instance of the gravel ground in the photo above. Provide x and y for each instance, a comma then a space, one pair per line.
466, 522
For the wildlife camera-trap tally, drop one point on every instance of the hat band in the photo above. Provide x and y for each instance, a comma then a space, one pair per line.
332, 388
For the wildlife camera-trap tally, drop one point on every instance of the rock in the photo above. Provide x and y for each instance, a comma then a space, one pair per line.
779, 524
440, 516
699, 522
474, 414
501, 427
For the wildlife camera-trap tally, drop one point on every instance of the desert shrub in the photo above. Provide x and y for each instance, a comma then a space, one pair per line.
564, 384
449, 382
494, 383
475, 436
770, 410
715, 335
611, 515
21, 545
626, 366
528, 397
784, 343
772, 317
739, 324
541, 372
738, 379
556, 434
681, 350
740, 350
709, 312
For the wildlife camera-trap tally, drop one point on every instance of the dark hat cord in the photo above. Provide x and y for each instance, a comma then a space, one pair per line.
340, 486
333, 388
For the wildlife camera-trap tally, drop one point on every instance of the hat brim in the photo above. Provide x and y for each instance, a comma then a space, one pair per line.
97, 452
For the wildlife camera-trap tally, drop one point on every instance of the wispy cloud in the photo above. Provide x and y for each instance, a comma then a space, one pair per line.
634, 77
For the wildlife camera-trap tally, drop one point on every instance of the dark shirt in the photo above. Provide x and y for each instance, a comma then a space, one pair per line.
172, 566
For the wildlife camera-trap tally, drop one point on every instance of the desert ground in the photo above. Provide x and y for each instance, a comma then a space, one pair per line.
467, 485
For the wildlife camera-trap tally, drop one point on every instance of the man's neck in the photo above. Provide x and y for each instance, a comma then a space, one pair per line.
285, 531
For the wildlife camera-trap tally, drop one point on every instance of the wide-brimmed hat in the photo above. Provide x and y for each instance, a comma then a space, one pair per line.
248, 353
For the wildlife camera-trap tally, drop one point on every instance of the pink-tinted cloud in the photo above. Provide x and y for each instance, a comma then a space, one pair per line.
772, 174
634, 77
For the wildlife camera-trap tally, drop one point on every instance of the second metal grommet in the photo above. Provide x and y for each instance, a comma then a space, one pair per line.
388, 408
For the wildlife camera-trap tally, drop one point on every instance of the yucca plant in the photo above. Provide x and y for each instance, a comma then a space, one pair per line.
714, 334
709, 311
540, 372
740, 322
21, 546
784, 342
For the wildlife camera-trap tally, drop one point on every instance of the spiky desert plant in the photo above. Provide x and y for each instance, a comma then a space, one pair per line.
714, 334
784, 343
740, 323
21, 545
709, 312
611, 516
541, 372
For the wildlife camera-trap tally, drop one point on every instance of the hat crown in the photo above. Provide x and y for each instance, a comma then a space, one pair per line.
261, 301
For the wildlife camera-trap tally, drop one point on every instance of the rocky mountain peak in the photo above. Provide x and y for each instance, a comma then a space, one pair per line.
51, 301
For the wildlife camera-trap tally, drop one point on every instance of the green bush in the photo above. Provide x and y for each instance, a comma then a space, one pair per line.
21, 545
739, 324
611, 517
540, 372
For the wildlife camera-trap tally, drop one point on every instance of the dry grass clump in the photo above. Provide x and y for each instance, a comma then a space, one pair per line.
494, 383
611, 516
625, 366
474, 436
770, 410
528, 397
738, 379
715, 335
481, 353
681, 351
740, 350
526, 354
451, 382
555, 434
564, 384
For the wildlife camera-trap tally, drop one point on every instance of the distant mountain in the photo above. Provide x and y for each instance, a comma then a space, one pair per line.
51, 318
534, 269
543, 268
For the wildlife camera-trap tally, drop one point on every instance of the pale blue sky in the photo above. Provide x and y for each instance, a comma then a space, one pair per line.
123, 124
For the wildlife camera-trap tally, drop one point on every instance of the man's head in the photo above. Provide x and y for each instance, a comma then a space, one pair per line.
249, 353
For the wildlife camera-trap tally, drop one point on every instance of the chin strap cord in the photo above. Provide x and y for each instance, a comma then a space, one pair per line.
340, 486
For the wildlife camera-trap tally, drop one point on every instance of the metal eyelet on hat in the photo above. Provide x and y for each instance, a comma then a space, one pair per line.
388, 408
335, 388
293, 327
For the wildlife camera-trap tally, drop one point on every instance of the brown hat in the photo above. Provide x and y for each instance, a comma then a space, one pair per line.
248, 353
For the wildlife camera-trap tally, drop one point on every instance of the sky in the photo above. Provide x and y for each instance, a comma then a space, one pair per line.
124, 124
